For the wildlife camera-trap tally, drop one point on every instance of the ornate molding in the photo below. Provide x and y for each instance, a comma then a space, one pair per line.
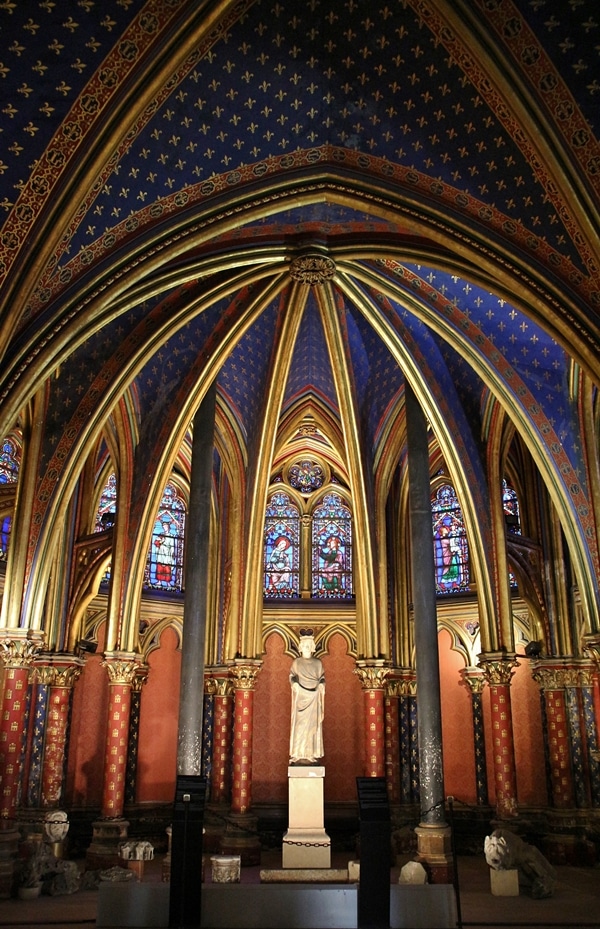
122, 669
244, 673
556, 675
312, 269
19, 649
498, 668
140, 677
218, 686
372, 674
474, 679
56, 673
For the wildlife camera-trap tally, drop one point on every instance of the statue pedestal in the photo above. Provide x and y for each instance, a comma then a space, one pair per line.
306, 844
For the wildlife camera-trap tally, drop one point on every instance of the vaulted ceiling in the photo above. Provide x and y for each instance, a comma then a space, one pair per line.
173, 172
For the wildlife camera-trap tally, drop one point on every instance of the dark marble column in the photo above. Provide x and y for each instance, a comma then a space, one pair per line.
191, 697
433, 834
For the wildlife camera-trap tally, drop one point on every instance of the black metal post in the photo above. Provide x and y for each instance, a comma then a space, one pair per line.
373, 902
185, 901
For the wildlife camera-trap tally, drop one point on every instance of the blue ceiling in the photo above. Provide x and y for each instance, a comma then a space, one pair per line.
426, 94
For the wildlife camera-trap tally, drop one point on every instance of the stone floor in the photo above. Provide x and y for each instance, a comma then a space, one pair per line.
576, 902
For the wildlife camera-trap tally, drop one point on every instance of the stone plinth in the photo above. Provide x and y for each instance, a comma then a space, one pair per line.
225, 868
304, 875
504, 883
306, 844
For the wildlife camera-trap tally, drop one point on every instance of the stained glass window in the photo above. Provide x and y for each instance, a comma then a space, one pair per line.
105, 516
510, 504
450, 542
281, 548
306, 476
164, 567
332, 549
5, 527
10, 457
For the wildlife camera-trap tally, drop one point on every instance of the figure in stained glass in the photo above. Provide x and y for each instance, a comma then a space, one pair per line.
450, 543
164, 568
279, 564
332, 549
282, 547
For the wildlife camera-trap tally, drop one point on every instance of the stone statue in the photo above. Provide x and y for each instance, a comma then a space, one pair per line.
505, 851
56, 825
308, 703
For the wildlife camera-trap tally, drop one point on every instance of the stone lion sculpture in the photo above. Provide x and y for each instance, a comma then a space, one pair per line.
505, 851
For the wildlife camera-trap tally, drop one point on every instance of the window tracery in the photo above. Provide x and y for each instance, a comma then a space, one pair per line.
312, 562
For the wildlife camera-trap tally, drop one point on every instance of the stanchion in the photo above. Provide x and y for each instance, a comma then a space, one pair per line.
373, 897
455, 862
185, 901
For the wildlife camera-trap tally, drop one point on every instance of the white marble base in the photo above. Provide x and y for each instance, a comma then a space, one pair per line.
306, 844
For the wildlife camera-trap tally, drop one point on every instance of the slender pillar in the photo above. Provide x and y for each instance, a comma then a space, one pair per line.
475, 681
498, 670
191, 698
139, 679
392, 740
591, 734
61, 676
190, 792
241, 837
551, 681
17, 653
372, 675
577, 746
409, 739
220, 788
111, 828
433, 834
121, 673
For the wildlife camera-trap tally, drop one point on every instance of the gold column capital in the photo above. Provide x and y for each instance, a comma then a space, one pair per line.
20, 647
122, 667
217, 681
140, 677
372, 673
244, 672
474, 679
497, 667
57, 670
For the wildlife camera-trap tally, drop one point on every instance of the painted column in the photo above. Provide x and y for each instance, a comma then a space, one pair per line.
551, 681
498, 670
220, 787
433, 833
591, 733
392, 739
475, 681
111, 828
121, 674
409, 738
139, 679
372, 675
60, 677
17, 655
241, 837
